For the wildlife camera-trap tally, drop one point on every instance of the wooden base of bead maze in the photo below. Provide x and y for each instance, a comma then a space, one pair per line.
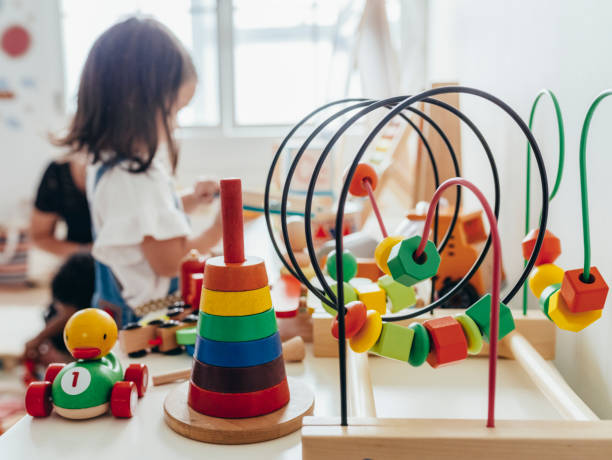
191, 424
581, 435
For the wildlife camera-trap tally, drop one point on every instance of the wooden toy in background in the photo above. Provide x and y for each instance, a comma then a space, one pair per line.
160, 335
238, 369
293, 316
464, 246
192, 270
294, 351
87, 387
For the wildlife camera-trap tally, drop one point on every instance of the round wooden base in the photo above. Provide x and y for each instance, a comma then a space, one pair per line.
191, 424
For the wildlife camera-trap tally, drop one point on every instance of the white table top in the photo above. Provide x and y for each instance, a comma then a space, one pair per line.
400, 391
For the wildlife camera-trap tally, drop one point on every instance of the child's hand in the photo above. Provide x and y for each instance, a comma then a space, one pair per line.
31, 351
205, 191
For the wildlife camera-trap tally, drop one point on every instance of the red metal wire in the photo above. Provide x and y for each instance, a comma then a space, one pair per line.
496, 277
368, 186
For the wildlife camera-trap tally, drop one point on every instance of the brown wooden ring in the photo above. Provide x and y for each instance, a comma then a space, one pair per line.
238, 379
246, 276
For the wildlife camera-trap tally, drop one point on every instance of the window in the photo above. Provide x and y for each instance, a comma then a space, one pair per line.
260, 63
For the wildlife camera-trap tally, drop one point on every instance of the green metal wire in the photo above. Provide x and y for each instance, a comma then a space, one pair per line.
559, 167
584, 194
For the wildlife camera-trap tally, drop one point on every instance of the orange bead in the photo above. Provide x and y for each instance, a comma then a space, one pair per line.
581, 296
363, 172
354, 319
449, 344
550, 250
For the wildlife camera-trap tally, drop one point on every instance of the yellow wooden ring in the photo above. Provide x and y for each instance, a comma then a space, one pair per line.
368, 335
543, 276
472, 333
381, 254
240, 303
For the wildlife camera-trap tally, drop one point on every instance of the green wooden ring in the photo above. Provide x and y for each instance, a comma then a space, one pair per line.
186, 336
237, 328
545, 297
408, 271
472, 333
420, 345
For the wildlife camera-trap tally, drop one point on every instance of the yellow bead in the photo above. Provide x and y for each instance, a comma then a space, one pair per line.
381, 254
368, 335
372, 296
561, 315
472, 333
240, 303
543, 276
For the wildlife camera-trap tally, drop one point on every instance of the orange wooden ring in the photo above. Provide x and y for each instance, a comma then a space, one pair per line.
238, 405
246, 276
363, 172
354, 319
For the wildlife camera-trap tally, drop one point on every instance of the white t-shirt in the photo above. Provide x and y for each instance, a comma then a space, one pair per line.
125, 207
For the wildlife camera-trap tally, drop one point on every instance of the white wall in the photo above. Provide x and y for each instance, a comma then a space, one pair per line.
513, 49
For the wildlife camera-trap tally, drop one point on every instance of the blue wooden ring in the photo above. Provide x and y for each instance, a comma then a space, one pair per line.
238, 354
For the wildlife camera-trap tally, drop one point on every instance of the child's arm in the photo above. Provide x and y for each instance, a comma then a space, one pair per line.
52, 328
165, 256
203, 192
42, 231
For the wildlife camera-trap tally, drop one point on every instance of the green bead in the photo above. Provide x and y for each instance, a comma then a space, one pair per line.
545, 297
408, 271
480, 312
401, 296
350, 295
420, 345
395, 342
349, 265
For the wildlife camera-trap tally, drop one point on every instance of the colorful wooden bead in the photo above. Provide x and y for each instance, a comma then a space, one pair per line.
395, 342
237, 328
186, 336
363, 172
543, 276
354, 319
560, 314
238, 379
238, 405
368, 334
350, 295
480, 312
545, 297
401, 296
448, 339
373, 297
349, 265
381, 254
549, 251
583, 296
245, 276
238, 354
240, 303
297, 233
406, 269
367, 268
472, 333
421, 345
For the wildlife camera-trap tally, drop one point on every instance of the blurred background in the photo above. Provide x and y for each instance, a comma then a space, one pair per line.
263, 65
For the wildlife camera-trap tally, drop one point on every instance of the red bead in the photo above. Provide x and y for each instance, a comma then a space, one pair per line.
449, 344
354, 319
550, 250
363, 172
580, 296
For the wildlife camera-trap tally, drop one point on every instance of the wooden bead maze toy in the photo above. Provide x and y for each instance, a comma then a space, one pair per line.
488, 326
238, 391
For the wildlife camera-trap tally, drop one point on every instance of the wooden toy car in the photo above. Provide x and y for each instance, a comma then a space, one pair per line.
87, 387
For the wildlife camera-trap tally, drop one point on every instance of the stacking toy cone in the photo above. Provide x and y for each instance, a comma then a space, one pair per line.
238, 368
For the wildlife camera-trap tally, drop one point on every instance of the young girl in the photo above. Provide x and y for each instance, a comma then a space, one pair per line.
136, 78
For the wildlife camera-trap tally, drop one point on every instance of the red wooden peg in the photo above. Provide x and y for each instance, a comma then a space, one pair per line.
231, 212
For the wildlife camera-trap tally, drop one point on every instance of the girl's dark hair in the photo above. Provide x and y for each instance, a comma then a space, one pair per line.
73, 284
131, 77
